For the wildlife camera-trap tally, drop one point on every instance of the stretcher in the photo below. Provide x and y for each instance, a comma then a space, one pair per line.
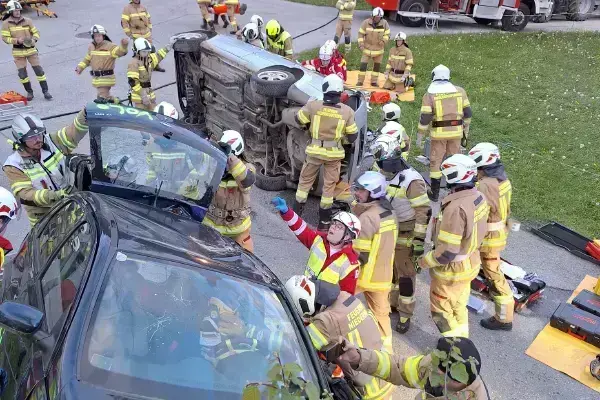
221, 9
12, 104
352, 79
40, 6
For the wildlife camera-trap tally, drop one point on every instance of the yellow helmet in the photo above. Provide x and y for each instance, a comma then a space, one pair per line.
273, 28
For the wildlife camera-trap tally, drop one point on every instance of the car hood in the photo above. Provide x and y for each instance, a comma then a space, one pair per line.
253, 59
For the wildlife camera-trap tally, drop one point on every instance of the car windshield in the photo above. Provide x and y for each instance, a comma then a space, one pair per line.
150, 162
167, 331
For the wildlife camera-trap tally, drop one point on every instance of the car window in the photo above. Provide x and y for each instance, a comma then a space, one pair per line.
61, 280
146, 161
166, 326
59, 226
17, 272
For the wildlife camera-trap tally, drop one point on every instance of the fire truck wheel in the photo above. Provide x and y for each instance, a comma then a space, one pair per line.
516, 21
420, 6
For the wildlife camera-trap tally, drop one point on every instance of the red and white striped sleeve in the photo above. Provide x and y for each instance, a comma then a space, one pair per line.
300, 228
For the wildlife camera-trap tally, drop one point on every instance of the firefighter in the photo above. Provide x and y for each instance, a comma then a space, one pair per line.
333, 314
19, 32
257, 19
407, 192
399, 65
229, 212
206, 17
446, 115
344, 22
376, 244
416, 372
497, 189
231, 6
373, 34
37, 168
458, 234
329, 61
139, 72
250, 34
331, 257
279, 41
101, 57
391, 125
329, 122
137, 23
9, 210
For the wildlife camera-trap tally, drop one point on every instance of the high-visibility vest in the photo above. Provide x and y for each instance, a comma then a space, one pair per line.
334, 272
279, 43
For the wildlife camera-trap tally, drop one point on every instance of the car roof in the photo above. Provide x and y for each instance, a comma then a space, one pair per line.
153, 232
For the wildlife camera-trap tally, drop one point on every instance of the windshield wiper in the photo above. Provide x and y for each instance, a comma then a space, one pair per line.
157, 192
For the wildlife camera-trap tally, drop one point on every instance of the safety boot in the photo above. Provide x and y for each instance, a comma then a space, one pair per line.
493, 324
29, 90
204, 25
225, 21
324, 219
434, 191
159, 69
44, 86
403, 325
298, 208
211, 25
348, 47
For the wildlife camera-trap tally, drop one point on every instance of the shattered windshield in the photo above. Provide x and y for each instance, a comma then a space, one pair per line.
153, 162
161, 330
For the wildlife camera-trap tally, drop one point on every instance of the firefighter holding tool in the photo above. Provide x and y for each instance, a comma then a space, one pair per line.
279, 41
20, 32
333, 315
446, 116
101, 57
407, 192
399, 65
329, 122
331, 257
373, 34
497, 189
454, 261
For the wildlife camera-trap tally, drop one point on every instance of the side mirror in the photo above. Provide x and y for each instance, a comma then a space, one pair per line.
20, 318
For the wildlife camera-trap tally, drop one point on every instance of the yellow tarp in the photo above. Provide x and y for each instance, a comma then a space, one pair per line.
352, 78
563, 352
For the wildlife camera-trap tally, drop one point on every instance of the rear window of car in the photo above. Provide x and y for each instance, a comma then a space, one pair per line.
168, 331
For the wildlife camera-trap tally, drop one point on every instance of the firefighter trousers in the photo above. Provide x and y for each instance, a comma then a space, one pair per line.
245, 240
34, 61
231, 15
365, 60
310, 172
394, 82
500, 290
440, 150
448, 302
205, 13
402, 296
379, 304
104, 92
343, 28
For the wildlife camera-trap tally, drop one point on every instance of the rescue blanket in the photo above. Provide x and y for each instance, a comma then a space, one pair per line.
352, 78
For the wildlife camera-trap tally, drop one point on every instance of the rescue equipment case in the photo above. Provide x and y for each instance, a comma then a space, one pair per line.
577, 323
588, 301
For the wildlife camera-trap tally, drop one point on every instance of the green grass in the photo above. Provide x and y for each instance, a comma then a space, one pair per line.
536, 97
360, 4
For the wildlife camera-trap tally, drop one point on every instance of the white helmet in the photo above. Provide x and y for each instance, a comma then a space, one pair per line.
141, 44
374, 182
325, 53
393, 129
440, 73
97, 29
391, 112
377, 12
485, 154
13, 5
386, 147
9, 207
167, 109
234, 139
250, 31
350, 221
303, 293
400, 36
459, 169
257, 19
333, 84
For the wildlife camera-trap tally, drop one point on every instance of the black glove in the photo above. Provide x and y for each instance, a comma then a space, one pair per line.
226, 147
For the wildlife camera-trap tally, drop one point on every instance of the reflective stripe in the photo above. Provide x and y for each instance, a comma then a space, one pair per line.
420, 228
316, 337
450, 238
238, 169
362, 244
18, 186
125, 17
316, 261
419, 201
228, 230
411, 372
301, 229
383, 365
302, 117
404, 241
64, 139
333, 153
496, 226
372, 53
301, 195
468, 274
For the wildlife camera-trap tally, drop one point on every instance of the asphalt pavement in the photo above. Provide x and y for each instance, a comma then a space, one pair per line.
508, 372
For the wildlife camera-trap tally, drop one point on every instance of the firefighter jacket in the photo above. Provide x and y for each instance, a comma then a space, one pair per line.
101, 59
446, 115
498, 194
412, 372
282, 45
373, 37
139, 75
13, 30
376, 244
459, 232
167, 164
336, 268
5, 248
337, 66
36, 183
349, 318
229, 212
400, 61
328, 124
346, 8
407, 193
136, 21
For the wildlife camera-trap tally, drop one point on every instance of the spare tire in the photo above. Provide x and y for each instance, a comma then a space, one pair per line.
273, 81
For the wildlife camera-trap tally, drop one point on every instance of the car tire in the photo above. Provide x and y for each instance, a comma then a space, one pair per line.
522, 18
270, 183
483, 21
273, 81
191, 44
579, 10
414, 6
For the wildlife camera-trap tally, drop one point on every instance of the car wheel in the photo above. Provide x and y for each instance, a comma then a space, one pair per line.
515, 21
270, 183
421, 6
189, 42
273, 81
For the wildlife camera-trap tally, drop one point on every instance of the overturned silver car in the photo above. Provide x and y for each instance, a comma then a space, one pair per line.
224, 83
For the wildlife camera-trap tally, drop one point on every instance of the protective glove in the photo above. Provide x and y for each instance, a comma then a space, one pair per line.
417, 248
146, 100
350, 358
62, 193
225, 147
124, 42
420, 143
280, 204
